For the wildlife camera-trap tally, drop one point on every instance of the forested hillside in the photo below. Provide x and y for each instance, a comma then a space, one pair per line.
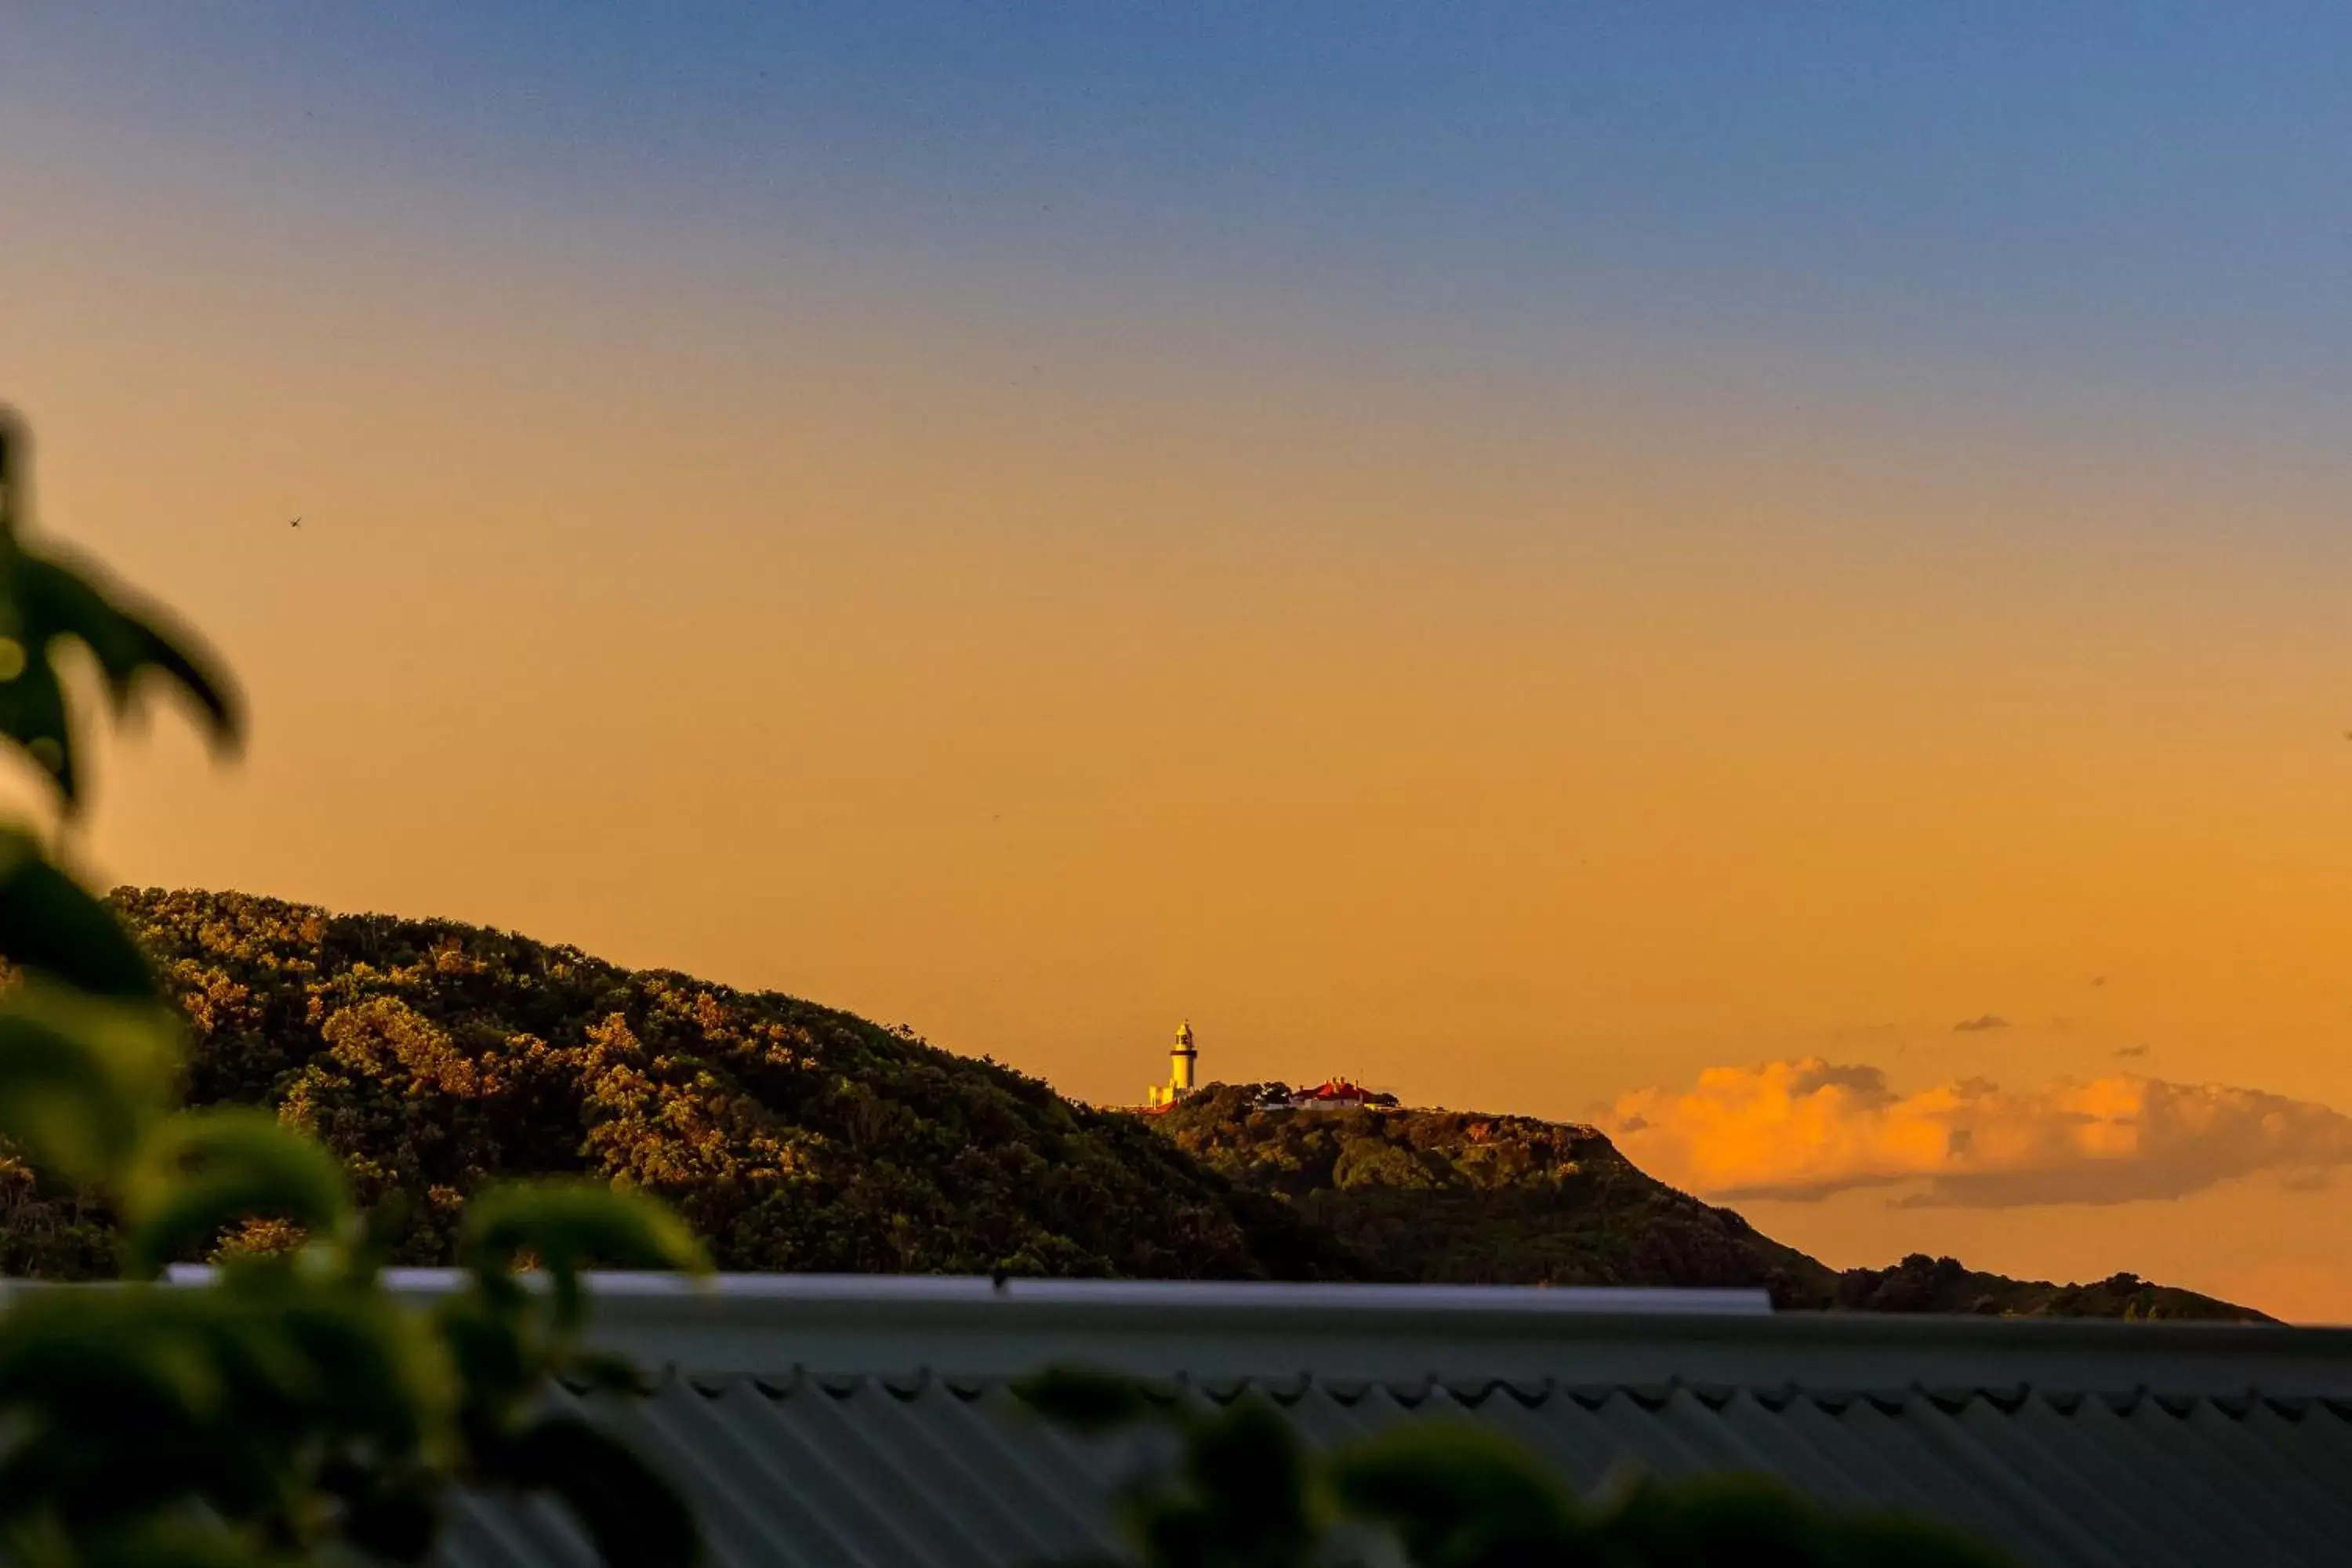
1443, 1196
436, 1058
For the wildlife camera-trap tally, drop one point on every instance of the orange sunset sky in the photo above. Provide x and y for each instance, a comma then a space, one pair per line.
1653, 612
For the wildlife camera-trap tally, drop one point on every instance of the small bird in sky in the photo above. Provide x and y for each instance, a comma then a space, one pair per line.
296, 523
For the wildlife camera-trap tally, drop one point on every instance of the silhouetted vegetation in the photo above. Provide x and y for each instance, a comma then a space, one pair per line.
1464, 1199
1924, 1284
436, 1059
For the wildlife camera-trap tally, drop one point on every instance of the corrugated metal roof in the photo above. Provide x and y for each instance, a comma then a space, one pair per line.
831, 1471
833, 1427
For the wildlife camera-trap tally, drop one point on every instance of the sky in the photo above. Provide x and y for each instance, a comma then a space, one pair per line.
1630, 563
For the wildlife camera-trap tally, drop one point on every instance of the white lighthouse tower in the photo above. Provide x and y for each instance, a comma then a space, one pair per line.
1180, 1058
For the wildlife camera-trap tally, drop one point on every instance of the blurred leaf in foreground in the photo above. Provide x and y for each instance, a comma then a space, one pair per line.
292, 1411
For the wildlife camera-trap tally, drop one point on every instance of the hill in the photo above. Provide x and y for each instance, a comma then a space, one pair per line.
1445, 1195
434, 1057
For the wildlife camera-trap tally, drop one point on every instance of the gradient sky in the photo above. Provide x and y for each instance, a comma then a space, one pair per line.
1521, 553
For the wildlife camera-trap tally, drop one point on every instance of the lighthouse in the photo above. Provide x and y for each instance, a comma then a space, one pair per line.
1181, 1057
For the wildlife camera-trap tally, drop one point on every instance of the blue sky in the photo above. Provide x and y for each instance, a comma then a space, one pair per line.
2159, 192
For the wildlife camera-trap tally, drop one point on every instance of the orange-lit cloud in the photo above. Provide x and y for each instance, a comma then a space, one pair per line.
1807, 1129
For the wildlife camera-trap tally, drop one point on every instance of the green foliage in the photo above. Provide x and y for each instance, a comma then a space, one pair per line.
1246, 1493
205, 1171
49, 602
563, 1228
1084, 1401
1454, 1496
49, 924
86, 1076
437, 1060
292, 1410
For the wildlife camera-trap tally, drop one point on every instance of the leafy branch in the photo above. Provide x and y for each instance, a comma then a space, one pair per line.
293, 1408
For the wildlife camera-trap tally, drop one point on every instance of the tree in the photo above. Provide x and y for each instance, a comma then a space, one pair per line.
293, 1406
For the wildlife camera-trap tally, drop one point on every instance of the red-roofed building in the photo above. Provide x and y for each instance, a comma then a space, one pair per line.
1339, 1094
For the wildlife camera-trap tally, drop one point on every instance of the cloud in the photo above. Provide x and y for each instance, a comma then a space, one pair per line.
1807, 1129
1971, 1026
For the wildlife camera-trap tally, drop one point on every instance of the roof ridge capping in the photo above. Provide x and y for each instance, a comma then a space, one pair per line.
1177, 1295
1401, 1335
